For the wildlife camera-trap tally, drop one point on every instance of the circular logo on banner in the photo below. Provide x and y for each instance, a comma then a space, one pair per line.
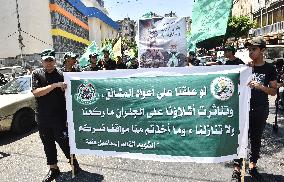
86, 94
222, 88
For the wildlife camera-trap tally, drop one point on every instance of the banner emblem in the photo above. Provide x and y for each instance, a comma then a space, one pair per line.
86, 94
222, 88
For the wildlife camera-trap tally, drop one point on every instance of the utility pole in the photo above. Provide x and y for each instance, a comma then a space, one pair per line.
20, 38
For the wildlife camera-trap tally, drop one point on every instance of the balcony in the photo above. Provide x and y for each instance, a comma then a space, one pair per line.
269, 30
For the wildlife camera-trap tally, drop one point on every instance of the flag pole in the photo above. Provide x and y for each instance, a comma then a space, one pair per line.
72, 165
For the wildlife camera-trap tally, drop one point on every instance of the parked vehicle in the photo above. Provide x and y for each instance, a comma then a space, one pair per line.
12, 72
3, 80
274, 53
17, 106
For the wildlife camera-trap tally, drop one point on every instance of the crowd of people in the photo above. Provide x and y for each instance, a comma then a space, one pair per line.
94, 64
48, 88
229, 54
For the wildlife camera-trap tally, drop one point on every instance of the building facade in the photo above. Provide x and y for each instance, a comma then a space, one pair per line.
65, 25
127, 28
242, 7
69, 27
35, 22
269, 18
101, 27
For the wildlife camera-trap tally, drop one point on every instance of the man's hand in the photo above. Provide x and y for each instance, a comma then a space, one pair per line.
61, 85
254, 84
250, 64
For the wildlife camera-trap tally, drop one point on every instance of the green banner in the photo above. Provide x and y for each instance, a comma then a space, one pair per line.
209, 19
192, 116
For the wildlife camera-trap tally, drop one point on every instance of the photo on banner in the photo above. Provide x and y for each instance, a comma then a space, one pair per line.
162, 42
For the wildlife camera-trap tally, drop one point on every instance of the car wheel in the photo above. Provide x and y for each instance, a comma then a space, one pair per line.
23, 121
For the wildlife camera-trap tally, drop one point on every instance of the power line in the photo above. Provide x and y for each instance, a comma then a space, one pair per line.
35, 38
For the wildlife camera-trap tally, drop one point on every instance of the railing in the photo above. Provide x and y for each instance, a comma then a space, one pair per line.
272, 29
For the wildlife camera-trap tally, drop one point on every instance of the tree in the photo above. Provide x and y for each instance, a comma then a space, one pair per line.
128, 44
238, 27
106, 42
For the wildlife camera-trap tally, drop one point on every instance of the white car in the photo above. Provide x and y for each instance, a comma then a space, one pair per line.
11, 72
17, 106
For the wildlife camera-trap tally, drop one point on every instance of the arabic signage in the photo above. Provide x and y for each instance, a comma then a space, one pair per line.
162, 42
169, 115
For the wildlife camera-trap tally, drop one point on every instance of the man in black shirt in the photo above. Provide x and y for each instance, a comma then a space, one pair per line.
109, 63
229, 52
192, 61
120, 64
48, 88
93, 66
69, 64
262, 84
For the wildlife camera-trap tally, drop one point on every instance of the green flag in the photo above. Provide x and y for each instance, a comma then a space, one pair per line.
147, 15
92, 48
209, 19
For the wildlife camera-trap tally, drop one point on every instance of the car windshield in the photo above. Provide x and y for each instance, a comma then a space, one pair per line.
17, 85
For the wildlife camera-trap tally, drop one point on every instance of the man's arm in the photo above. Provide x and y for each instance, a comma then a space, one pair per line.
210, 63
45, 90
271, 90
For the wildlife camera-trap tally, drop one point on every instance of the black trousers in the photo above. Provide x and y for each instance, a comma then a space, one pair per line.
50, 135
257, 122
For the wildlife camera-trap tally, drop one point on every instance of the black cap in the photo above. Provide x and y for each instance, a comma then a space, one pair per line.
229, 48
70, 55
47, 53
93, 55
191, 53
258, 41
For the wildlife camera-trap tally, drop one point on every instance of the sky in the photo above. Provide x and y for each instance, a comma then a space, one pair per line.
134, 9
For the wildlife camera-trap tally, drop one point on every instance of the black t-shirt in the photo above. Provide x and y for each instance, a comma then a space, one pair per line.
91, 68
236, 61
194, 62
110, 64
51, 108
263, 74
121, 66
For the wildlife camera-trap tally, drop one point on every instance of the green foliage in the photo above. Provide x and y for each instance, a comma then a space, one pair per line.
128, 44
107, 42
239, 26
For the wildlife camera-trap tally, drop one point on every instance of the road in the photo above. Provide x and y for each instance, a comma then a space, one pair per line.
22, 159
